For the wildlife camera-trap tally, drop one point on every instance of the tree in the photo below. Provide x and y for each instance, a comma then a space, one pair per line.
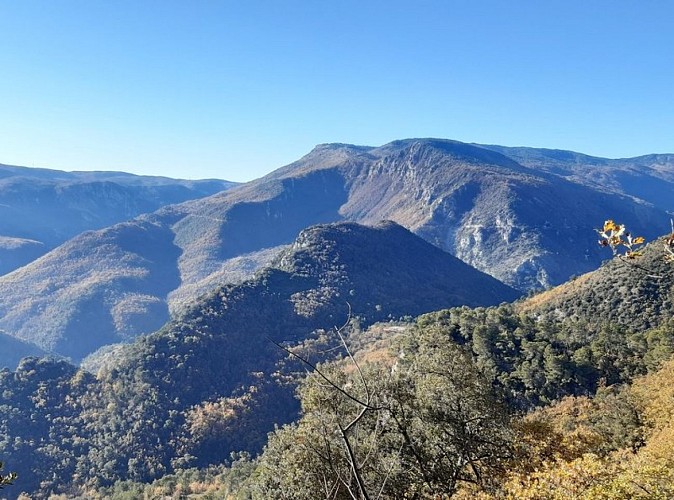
413, 426
617, 237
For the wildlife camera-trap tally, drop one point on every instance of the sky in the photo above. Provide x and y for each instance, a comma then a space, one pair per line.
236, 89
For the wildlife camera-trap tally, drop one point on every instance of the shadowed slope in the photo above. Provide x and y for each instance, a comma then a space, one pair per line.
41, 208
528, 227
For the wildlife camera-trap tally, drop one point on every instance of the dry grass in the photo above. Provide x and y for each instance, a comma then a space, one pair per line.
556, 294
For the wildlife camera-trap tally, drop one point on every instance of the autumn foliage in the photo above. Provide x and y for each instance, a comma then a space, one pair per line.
567, 457
616, 237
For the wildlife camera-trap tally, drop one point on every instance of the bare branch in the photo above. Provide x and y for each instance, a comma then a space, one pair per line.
321, 374
388, 473
354, 464
642, 268
641, 487
366, 403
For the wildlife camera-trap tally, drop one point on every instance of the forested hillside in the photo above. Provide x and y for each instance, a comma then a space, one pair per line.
528, 224
418, 375
437, 407
424, 415
371, 311
214, 381
636, 292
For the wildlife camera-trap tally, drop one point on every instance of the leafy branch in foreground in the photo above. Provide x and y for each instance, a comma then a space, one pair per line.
616, 236
7, 479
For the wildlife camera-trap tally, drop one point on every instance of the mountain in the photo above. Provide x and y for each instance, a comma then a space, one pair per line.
114, 295
41, 208
214, 381
105, 291
387, 271
648, 177
13, 350
528, 227
217, 379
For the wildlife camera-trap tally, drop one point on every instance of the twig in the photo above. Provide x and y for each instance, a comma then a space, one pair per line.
634, 264
354, 463
320, 373
388, 473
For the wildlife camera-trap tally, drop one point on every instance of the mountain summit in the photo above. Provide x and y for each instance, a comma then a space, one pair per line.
385, 270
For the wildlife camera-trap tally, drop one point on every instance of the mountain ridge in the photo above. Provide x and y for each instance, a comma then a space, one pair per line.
649, 177
529, 229
149, 398
41, 208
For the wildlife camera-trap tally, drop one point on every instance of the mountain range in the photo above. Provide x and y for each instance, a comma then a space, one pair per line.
649, 177
41, 208
524, 216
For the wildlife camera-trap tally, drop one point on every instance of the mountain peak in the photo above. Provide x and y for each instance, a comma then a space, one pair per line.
433, 148
319, 233
335, 146
379, 262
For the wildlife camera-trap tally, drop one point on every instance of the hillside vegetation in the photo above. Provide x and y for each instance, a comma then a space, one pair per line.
432, 419
438, 414
213, 381
441, 400
636, 293
528, 225
360, 362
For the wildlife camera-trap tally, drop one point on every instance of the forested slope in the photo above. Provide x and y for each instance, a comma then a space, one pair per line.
530, 226
436, 408
214, 381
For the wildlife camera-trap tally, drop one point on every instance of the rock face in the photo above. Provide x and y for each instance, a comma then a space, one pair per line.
40, 208
528, 225
527, 228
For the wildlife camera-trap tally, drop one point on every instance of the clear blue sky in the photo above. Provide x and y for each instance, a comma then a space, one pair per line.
235, 89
